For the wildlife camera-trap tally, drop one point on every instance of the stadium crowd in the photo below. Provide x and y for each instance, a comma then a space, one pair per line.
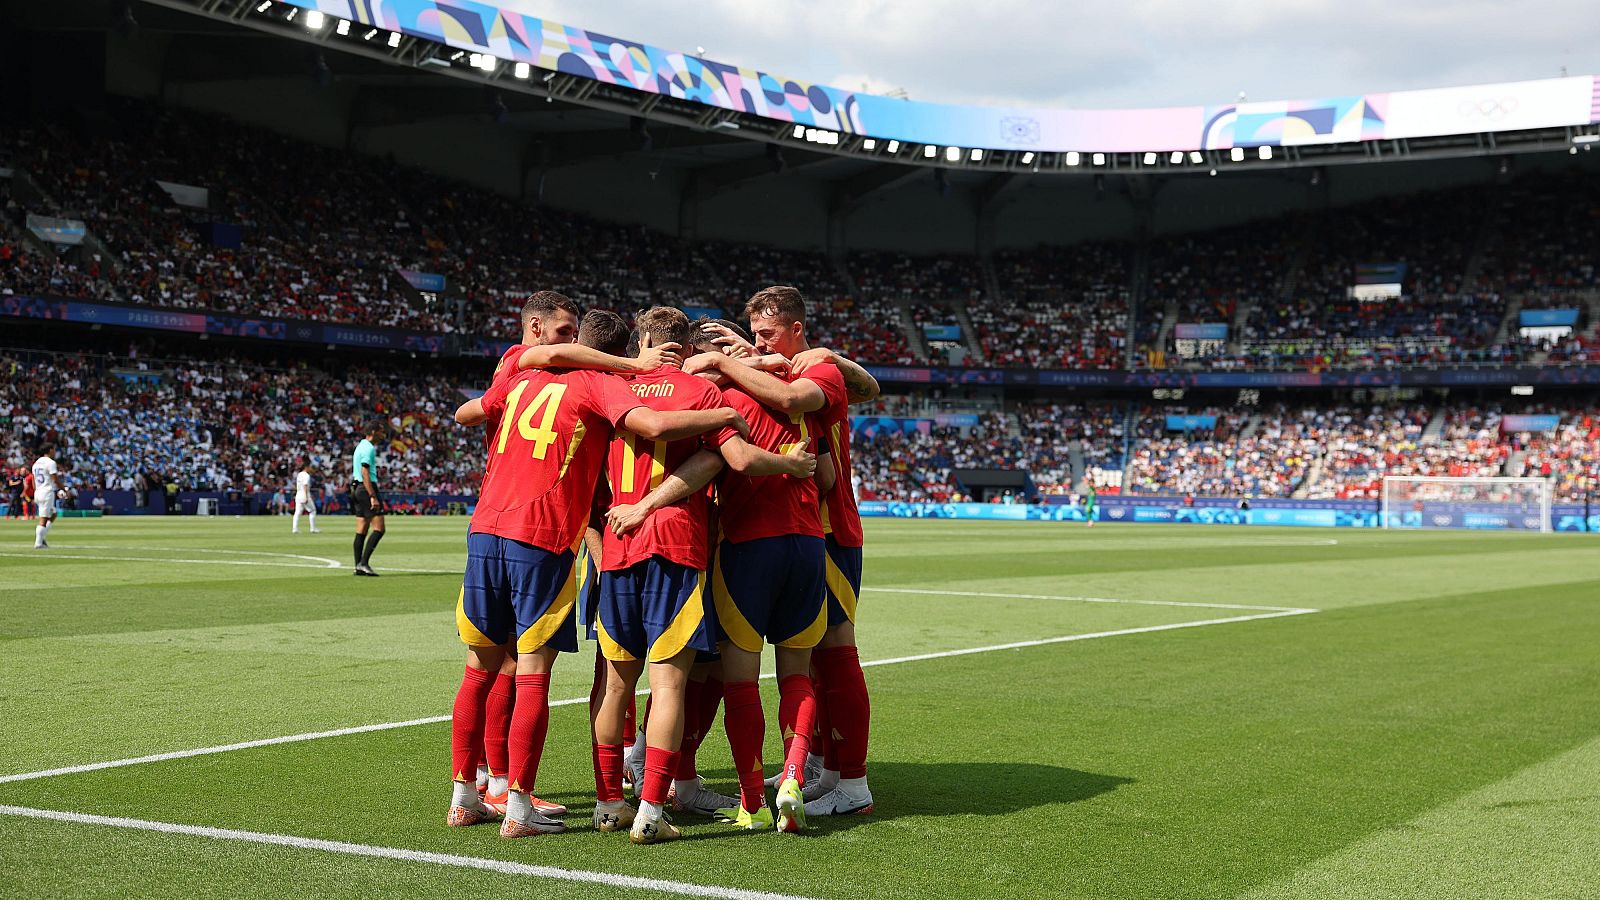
287, 229
224, 424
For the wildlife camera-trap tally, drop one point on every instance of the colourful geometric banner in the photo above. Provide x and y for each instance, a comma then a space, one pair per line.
513, 36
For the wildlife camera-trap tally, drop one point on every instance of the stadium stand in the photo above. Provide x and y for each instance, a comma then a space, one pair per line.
1474, 255
226, 423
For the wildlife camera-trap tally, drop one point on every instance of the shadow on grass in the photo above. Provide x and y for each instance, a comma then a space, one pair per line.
902, 789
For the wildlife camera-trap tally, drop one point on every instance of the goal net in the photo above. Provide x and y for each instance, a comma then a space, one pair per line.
1500, 504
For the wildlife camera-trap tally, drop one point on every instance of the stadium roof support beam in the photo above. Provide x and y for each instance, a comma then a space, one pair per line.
707, 182
851, 193
987, 201
553, 150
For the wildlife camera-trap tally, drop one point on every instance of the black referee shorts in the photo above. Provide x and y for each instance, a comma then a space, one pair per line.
363, 503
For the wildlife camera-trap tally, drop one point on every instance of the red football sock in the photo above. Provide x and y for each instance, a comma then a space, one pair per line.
530, 719
822, 736
700, 702
747, 727
608, 772
630, 724
497, 723
659, 764
849, 709
466, 724
797, 715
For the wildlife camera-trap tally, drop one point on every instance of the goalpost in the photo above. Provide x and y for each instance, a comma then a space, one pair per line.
1497, 504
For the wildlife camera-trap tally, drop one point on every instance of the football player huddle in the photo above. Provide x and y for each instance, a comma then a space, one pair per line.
726, 520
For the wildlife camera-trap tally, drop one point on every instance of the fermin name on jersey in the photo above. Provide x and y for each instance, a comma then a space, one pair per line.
659, 389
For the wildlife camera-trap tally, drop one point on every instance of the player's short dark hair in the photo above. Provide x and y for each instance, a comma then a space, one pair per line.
703, 339
664, 324
779, 300
605, 331
375, 427
543, 303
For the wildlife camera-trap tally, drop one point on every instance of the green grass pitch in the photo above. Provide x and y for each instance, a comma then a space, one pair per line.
1431, 730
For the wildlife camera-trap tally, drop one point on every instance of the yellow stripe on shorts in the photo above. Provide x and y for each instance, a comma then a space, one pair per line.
468, 632
541, 631
841, 588
732, 620
684, 624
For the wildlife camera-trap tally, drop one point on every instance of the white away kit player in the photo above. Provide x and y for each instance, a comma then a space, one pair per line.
302, 498
44, 495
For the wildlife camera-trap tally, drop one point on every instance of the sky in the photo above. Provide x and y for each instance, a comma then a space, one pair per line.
1135, 53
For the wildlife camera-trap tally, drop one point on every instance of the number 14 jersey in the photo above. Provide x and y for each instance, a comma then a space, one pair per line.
548, 432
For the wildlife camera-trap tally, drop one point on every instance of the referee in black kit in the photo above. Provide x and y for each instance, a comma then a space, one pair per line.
364, 499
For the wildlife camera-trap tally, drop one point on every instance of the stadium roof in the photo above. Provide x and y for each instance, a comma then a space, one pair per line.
519, 53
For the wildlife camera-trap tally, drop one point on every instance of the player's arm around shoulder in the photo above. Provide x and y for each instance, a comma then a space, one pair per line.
665, 425
860, 386
789, 397
577, 356
754, 462
471, 412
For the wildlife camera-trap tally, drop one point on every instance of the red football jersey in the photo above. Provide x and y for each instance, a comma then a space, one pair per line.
840, 517
773, 505
676, 533
546, 453
507, 367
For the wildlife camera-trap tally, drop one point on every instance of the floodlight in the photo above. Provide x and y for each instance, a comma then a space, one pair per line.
1099, 159
869, 144
894, 147
952, 154
1264, 152
394, 39
1073, 157
521, 70
1195, 157
1176, 157
799, 131
1149, 159
1236, 154
1027, 158
343, 27
930, 151
265, 5
976, 155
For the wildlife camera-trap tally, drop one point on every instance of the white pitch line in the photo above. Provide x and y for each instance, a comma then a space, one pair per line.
433, 720
1068, 638
501, 866
1197, 604
322, 562
326, 562
50, 554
